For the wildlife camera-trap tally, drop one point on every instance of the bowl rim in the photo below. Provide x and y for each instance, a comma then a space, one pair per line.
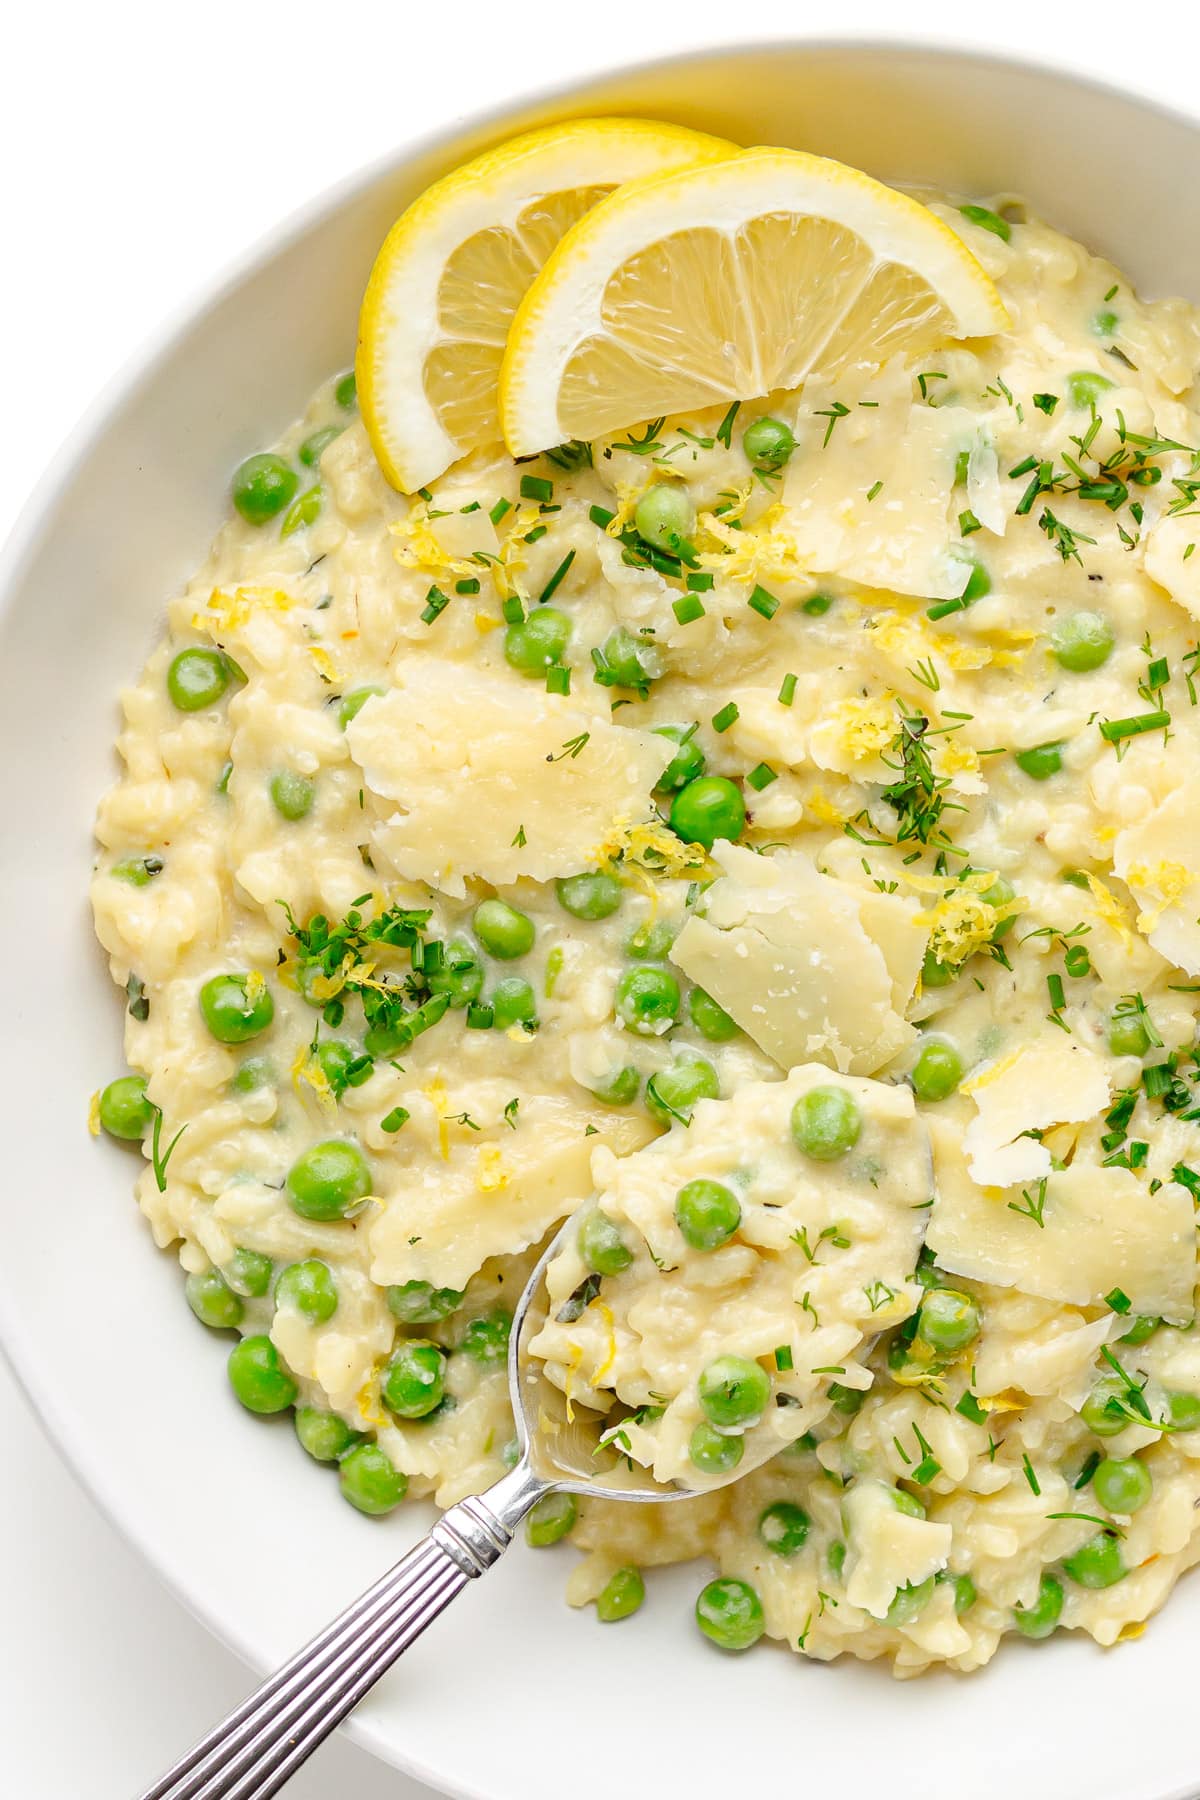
137, 371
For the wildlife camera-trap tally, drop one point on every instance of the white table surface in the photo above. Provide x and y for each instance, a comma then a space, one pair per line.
126, 134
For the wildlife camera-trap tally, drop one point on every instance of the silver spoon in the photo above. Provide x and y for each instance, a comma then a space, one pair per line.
258, 1747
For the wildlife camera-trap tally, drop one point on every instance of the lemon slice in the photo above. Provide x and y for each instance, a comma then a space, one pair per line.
726, 281
453, 268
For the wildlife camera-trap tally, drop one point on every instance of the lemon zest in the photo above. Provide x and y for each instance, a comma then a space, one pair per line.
492, 1172
990, 1072
307, 1072
367, 1401
94, 1114
485, 622
1171, 880
574, 1358
225, 612
611, 1357
418, 547
324, 664
1133, 1629
435, 1093
1110, 910
647, 844
759, 551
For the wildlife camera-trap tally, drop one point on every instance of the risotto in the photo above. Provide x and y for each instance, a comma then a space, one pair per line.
811, 776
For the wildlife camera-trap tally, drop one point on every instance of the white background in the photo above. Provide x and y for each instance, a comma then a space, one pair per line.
141, 149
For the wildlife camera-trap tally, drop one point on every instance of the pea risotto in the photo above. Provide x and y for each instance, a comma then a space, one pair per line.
771, 824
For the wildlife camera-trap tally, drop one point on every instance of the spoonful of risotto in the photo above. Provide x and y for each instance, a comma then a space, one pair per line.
713, 1300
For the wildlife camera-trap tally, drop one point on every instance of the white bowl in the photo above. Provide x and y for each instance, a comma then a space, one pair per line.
511, 1696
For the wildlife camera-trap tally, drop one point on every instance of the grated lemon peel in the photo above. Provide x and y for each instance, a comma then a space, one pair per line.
1110, 910
1170, 880
226, 612
647, 844
491, 1171
94, 1114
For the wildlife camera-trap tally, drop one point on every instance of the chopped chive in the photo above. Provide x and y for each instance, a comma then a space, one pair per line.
512, 611
721, 721
600, 515
990, 221
468, 585
943, 608
874, 489
435, 605
558, 679
539, 531
1091, 1463
962, 465
700, 581
1113, 730
1118, 1301
724, 431
498, 511
761, 777
393, 1121
479, 1017
1159, 673
536, 487
1030, 1477
687, 608
1045, 403
763, 603
556, 580
787, 690
1057, 997
967, 523
970, 1408
783, 1358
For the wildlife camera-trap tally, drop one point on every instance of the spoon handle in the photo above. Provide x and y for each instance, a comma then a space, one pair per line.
258, 1747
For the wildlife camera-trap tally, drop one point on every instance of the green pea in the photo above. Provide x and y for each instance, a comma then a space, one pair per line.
626, 661
1122, 1484
1105, 1411
324, 1435
621, 1596
714, 1452
937, 1070
1041, 1619
665, 516
603, 1249
965, 1594
262, 486
304, 511
647, 1000
1183, 1410
196, 679
486, 1339
710, 1020
687, 762
292, 795
729, 1613
138, 871
420, 1303
329, 1180
353, 703
596, 895
948, 1319
1041, 762
817, 605
414, 1379
783, 1528
258, 1377
768, 443
310, 1289
213, 1301
1084, 388
999, 894
707, 1214
910, 1600
734, 1392
620, 1088
346, 392
502, 930
1105, 323
935, 974
846, 1400
334, 1059
551, 1519
708, 808
1098, 1563
826, 1123
370, 1480
254, 1073
672, 1093
382, 1041
534, 644
1143, 1327
1127, 1034
652, 943
460, 975
125, 1112
1083, 641
513, 1002
988, 220
250, 1273
236, 1008
314, 447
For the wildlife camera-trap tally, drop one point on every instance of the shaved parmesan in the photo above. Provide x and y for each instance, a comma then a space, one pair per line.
1053, 1081
1102, 1228
547, 781
810, 967
1156, 859
1171, 560
888, 1549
